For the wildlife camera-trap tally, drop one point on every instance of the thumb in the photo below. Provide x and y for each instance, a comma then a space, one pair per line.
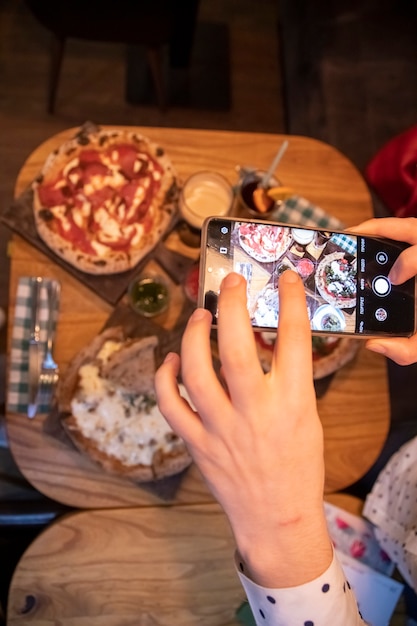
399, 349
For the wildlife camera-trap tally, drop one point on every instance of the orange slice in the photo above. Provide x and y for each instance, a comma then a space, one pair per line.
280, 193
262, 200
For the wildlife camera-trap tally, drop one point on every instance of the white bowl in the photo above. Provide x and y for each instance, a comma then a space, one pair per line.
325, 311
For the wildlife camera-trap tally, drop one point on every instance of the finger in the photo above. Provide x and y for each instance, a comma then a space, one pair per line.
197, 370
401, 350
176, 410
237, 348
293, 354
400, 229
405, 266
367, 227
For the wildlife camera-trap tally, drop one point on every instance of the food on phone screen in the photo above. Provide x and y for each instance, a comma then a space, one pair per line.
265, 311
336, 280
264, 242
331, 323
305, 267
328, 319
345, 281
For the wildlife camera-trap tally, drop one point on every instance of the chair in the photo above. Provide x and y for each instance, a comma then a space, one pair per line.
150, 24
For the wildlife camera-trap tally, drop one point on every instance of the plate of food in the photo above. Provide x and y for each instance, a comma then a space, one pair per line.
265, 243
264, 313
328, 319
330, 354
103, 200
107, 406
336, 280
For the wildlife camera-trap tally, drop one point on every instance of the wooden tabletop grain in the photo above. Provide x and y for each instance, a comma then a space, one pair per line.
354, 411
127, 567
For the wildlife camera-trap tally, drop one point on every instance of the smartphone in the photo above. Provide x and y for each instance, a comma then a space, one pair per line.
345, 276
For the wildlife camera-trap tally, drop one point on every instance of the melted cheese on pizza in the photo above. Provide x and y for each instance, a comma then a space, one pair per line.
101, 201
123, 425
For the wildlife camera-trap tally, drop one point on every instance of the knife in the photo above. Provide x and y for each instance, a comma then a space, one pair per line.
34, 348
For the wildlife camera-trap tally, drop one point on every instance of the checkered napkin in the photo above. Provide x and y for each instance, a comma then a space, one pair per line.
18, 387
347, 243
299, 211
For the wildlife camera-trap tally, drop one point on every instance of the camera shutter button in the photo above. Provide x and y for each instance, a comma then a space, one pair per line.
381, 286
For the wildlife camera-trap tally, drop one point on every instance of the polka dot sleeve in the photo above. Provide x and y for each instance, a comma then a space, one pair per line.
326, 601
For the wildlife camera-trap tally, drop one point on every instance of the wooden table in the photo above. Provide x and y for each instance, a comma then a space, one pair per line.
354, 411
120, 567
128, 567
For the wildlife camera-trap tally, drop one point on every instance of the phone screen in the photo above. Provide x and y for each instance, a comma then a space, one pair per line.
345, 276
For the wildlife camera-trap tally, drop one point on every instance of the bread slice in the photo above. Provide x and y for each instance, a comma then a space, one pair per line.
133, 366
108, 408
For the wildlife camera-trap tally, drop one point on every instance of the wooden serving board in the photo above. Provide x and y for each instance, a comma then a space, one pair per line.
169, 340
111, 287
19, 218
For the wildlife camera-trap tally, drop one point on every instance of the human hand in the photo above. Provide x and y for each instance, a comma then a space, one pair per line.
402, 350
259, 442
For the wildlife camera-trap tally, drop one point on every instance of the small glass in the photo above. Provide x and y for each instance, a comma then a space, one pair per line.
302, 237
205, 194
250, 181
321, 239
149, 294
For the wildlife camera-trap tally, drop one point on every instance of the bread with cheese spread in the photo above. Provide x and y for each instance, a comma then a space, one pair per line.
108, 408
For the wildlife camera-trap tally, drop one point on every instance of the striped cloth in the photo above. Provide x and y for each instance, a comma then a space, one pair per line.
18, 387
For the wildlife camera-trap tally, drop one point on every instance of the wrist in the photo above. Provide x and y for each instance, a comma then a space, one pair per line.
286, 555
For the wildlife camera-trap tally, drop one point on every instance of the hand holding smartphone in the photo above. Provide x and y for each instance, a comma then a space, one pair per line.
345, 276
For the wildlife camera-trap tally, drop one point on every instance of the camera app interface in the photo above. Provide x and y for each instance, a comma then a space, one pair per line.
345, 276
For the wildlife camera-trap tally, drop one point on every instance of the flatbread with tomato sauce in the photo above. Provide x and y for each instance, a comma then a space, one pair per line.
264, 242
103, 200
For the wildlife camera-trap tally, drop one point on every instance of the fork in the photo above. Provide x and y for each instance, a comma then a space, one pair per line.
50, 371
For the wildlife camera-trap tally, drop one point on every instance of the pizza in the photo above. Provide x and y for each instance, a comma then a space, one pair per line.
104, 199
107, 406
329, 353
332, 353
263, 242
336, 280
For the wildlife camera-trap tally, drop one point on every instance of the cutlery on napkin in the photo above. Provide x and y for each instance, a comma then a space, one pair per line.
19, 395
34, 346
